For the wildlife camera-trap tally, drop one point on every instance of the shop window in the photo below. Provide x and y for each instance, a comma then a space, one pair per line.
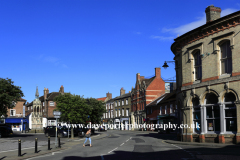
196, 113
212, 113
230, 112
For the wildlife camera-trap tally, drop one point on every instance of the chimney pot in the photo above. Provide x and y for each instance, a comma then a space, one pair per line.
212, 13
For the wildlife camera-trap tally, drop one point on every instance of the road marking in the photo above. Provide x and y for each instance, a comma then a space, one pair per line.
39, 156
113, 150
17, 149
127, 140
122, 144
55, 152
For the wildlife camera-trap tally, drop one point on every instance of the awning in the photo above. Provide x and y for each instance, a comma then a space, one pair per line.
15, 120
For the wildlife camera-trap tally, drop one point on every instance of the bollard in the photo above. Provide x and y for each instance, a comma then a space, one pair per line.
36, 145
35, 131
59, 144
19, 147
49, 143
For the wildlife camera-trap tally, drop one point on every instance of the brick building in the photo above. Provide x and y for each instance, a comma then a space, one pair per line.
163, 110
16, 116
144, 92
208, 78
48, 105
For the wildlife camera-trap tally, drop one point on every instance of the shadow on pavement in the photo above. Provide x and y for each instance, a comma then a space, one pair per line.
145, 152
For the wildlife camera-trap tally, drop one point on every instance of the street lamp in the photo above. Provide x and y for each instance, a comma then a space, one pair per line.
165, 66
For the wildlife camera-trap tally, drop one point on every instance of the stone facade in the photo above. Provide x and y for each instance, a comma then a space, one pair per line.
208, 78
122, 110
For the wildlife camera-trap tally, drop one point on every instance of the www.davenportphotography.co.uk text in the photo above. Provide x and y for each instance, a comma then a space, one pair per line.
139, 126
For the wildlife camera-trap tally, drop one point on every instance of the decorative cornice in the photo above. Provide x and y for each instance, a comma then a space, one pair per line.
212, 82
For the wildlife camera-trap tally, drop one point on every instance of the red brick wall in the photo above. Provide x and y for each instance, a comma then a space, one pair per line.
18, 107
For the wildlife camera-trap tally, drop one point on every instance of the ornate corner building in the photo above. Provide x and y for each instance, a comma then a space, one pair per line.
208, 79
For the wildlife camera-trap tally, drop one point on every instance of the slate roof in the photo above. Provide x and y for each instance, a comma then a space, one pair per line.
50, 97
122, 96
147, 81
163, 98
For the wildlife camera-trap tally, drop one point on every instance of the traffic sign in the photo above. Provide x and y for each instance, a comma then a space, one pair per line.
57, 113
56, 116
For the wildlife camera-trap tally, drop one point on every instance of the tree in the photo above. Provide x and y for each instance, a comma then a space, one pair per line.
9, 95
98, 109
74, 109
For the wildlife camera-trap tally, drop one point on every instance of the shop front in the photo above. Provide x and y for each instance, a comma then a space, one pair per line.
17, 124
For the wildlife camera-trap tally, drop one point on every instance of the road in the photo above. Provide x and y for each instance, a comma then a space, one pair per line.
126, 145
122, 145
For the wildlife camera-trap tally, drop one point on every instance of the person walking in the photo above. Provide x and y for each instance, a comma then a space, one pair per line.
88, 134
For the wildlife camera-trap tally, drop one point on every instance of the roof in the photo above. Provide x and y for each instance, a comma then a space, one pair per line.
163, 98
102, 99
110, 100
50, 97
123, 96
147, 81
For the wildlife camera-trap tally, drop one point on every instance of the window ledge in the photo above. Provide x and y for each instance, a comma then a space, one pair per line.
197, 81
224, 76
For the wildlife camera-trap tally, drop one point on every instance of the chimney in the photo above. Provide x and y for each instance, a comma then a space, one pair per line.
158, 72
212, 13
45, 92
138, 76
109, 95
122, 91
141, 77
61, 89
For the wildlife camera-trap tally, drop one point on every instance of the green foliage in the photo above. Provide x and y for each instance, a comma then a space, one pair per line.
9, 95
73, 107
98, 109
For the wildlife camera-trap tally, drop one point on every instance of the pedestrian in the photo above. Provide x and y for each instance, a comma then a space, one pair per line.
88, 134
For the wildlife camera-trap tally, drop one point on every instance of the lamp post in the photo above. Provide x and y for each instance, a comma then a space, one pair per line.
165, 66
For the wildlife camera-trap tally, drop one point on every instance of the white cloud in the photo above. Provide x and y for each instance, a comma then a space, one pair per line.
64, 66
162, 38
192, 25
137, 32
51, 59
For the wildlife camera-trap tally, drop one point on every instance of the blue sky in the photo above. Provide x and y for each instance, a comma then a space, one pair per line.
92, 47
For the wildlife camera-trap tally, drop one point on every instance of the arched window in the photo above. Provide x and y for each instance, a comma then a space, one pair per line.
212, 113
196, 114
230, 112
226, 57
197, 65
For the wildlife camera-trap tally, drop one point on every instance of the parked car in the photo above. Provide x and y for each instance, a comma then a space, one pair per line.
5, 131
82, 131
102, 128
62, 131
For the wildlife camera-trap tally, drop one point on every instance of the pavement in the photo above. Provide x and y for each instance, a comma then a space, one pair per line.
28, 153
